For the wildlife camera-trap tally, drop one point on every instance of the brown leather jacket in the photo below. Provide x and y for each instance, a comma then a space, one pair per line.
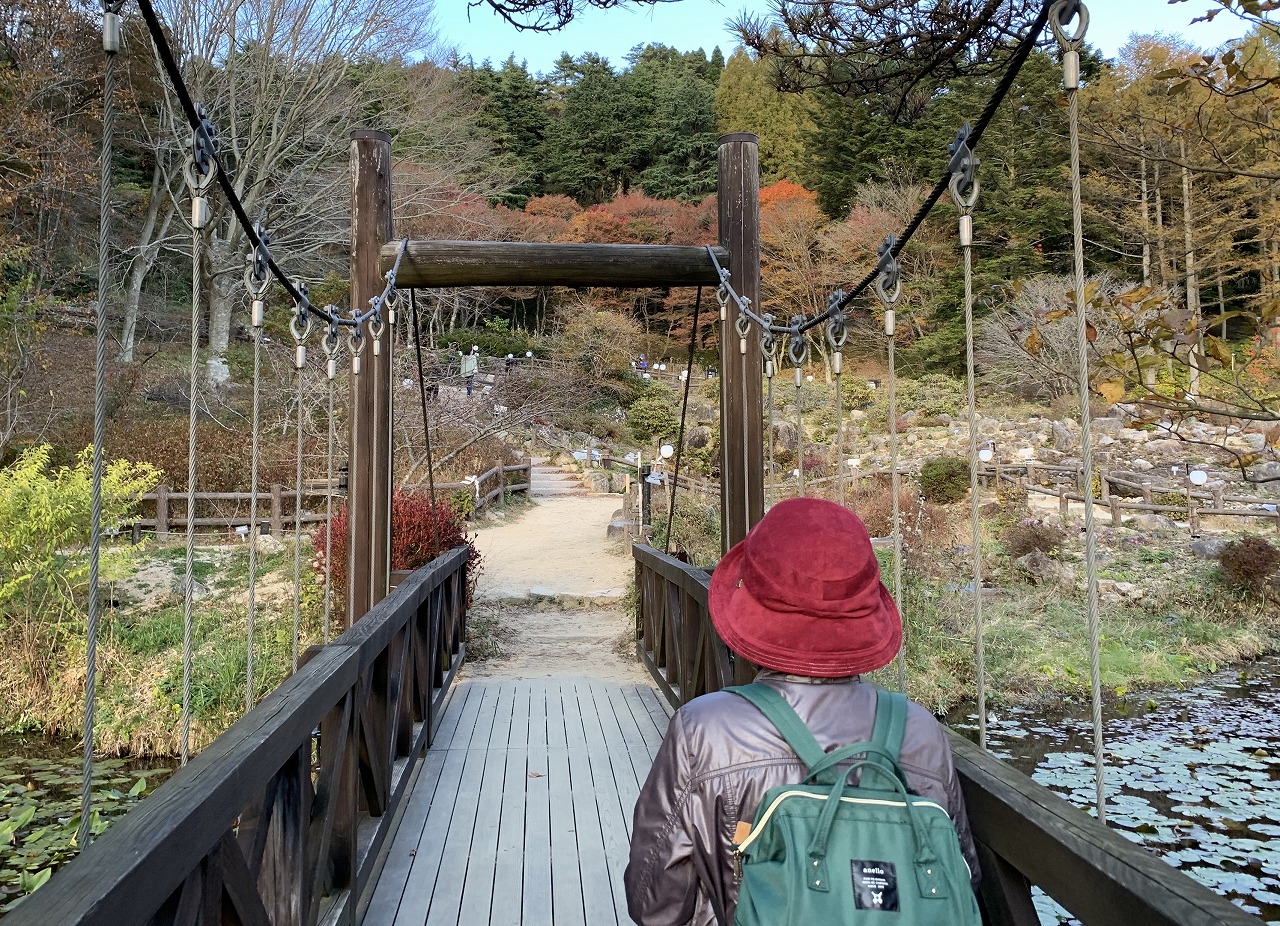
721, 755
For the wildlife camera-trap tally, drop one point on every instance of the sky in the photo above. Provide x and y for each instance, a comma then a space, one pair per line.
691, 24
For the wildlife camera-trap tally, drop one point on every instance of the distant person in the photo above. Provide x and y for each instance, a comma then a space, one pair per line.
470, 366
801, 597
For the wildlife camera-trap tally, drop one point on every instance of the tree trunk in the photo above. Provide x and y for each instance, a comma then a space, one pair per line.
149, 243
1162, 261
222, 302
1193, 283
1146, 227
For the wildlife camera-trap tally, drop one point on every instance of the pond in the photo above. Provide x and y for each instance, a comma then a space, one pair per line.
1193, 775
40, 806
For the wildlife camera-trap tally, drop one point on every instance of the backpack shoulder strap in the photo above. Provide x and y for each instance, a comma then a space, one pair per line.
781, 714
890, 726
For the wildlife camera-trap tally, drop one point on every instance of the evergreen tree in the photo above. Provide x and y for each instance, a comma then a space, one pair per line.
748, 100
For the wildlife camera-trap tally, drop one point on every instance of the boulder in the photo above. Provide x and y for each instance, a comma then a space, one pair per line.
1064, 439
267, 544
697, 438
199, 591
1111, 426
1045, 570
1209, 548
1141, 466
1155, 522
1112, 592
620, 527
1268, 470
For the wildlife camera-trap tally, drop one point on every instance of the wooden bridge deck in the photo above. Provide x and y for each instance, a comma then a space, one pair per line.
522, 813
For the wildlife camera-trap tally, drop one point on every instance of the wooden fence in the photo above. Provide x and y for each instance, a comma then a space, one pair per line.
486, 488
1026, 834
284, 818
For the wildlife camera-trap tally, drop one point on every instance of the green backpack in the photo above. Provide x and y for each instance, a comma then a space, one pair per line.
824, 852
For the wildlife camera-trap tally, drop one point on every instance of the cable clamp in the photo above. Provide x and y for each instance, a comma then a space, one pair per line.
964, 170
797, 344
888, 272
331, 342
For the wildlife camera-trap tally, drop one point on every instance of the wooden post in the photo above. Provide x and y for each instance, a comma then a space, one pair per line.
277, 511
1064, 506
1146, 493
1031, 474
741, 393
369, 495
162, 512
1117, 515
502, 483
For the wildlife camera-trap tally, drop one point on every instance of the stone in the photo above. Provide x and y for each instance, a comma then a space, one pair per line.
620, 527
1112, 592
698, 438
1046, 570
1268, 470
1140, 465
267, 544
1112, 426
1209, 548
597, 481
199, 591
1155, 522
1064, 439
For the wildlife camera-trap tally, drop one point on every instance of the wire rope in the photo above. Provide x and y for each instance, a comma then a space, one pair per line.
964, 192
331, 374
1064, 11
200, 171
300, 331
684, 410
426, 419
257, 283
888, 288
106, 181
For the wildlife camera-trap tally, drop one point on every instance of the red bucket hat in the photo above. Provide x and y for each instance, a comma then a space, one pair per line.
802, 594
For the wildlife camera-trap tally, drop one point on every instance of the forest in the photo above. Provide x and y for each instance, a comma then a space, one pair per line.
1181, 162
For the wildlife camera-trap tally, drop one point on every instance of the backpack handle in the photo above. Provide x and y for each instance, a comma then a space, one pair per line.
927, 871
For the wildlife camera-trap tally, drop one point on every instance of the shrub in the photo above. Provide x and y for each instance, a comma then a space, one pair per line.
1032, 534
925, 526
419, 533
944, 479
653, 416
1249, 563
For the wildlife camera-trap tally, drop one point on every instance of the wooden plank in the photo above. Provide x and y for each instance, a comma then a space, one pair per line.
481, 868
519, 263
536, 900
404, 846
446, 901
537, 730
614, 788
566, 878
509, 861
429, 850
592, 795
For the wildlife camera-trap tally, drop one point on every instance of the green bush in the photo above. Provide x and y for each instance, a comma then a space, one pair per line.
495, 338
944, 480
1249, 564
653, 416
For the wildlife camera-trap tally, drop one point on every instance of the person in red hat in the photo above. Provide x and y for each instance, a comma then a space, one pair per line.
801, 597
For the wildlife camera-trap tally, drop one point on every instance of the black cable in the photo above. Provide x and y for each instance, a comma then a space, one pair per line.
193, 118
684, 409
1020, 56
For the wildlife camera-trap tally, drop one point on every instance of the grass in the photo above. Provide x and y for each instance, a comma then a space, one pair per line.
141, 666
1037, 641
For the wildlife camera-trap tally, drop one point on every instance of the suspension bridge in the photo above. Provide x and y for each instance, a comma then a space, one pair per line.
378, 784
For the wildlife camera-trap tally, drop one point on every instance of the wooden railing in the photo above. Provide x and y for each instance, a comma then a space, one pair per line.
1025, 833
284, 818
280, 501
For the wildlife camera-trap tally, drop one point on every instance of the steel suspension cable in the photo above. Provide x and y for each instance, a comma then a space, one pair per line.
684, 410
888, 287
426, 419
200, 172
255, 449
299, 362
1064, 11
964, 192
331, 374
106, 182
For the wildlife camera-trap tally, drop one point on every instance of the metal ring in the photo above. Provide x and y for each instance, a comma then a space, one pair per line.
355, 341
376, 327
1058, 24
196, 182
837, 331
300, 335
743, 324
889, 299
967, 200
722, 295
798, 348
331, 342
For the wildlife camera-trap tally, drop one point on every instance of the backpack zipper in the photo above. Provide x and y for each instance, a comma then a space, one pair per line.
759, 827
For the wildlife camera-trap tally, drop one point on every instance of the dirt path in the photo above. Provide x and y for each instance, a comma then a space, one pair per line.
550, 596
557, 548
